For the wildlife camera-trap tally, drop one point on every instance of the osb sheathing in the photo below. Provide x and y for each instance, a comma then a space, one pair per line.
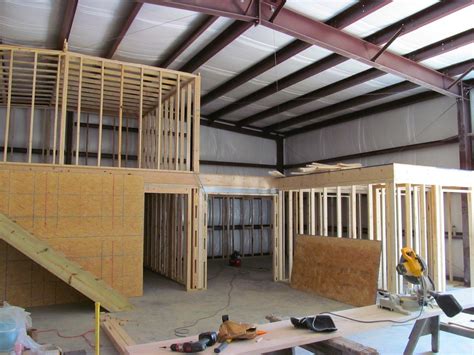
94, 219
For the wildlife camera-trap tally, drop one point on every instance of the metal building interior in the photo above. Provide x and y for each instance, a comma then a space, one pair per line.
164, 163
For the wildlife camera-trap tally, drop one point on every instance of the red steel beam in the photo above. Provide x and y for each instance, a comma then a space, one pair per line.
443, 46
66, 25
409, 24
455, 69
431, 50
136, 6
345, 18
356, 12
203, 25
242, 10
346, 104
221, 41
262, 66
342, 43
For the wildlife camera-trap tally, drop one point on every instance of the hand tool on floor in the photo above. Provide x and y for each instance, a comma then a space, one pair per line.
414, 270
205, 339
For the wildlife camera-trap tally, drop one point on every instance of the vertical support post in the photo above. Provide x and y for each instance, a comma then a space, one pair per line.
197, 122
301, 212
290, 232
56, 110
140, 119
177, 116
423, 226
466, 163
353, 201
32, 113
101, 113
416, 218
470, 234
339, 211
159, 115
188, 127
62, 138
408, 217
9, 100
370, 212
391, 238
122, 79
450, 236
325, 211
79, 99
312, 217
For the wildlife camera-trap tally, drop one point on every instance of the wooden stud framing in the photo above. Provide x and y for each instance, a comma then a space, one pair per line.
101, 113
9, 100
79, 98
32, 108
62, 138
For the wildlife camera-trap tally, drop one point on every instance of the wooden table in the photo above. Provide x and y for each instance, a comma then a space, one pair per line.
282, 335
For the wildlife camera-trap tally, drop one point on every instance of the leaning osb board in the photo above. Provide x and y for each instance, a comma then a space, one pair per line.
342, 269
95, 219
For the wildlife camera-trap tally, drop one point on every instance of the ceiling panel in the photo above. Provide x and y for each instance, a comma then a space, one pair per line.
321, 10
445, 27
154, 32
387, 15
96, 24
33, 23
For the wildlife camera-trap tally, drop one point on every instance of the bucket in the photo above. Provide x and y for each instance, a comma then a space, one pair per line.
8, 334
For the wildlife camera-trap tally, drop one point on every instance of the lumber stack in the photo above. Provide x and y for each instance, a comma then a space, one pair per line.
322, 168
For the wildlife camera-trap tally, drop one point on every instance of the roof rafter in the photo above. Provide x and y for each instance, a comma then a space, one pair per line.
426, 52
232, 32
136, 6
345, 18
189, 39
409, 24
66, 25
453, 70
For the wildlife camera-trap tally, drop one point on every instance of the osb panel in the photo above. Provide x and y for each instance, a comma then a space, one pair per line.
342, 269
95, 220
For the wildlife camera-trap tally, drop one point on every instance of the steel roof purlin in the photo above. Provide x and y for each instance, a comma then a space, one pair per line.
189, 39
409, 24
233, 31
343, 19
431, 50
66, 25
453, 70
136, 6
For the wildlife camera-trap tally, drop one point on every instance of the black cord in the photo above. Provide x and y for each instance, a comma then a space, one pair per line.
184, 330
377, 321
423, 289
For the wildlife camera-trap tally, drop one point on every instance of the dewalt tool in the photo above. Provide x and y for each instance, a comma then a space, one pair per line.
205, 339
414, 270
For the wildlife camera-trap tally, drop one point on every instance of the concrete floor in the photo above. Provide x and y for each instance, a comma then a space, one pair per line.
165, 306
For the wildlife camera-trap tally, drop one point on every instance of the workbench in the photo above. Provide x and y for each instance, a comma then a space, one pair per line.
282, 335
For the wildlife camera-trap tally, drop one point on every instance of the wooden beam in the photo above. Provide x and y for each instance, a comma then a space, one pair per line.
66, 270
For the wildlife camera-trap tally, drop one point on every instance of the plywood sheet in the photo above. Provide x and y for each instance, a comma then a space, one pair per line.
342, 269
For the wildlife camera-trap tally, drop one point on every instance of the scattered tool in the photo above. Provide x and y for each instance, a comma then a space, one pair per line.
205, 339
223, 345
414, 270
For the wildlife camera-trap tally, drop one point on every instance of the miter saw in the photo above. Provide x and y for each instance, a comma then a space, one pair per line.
414, 270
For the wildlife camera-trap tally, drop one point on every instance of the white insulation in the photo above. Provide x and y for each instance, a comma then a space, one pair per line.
423, 122
220, 145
